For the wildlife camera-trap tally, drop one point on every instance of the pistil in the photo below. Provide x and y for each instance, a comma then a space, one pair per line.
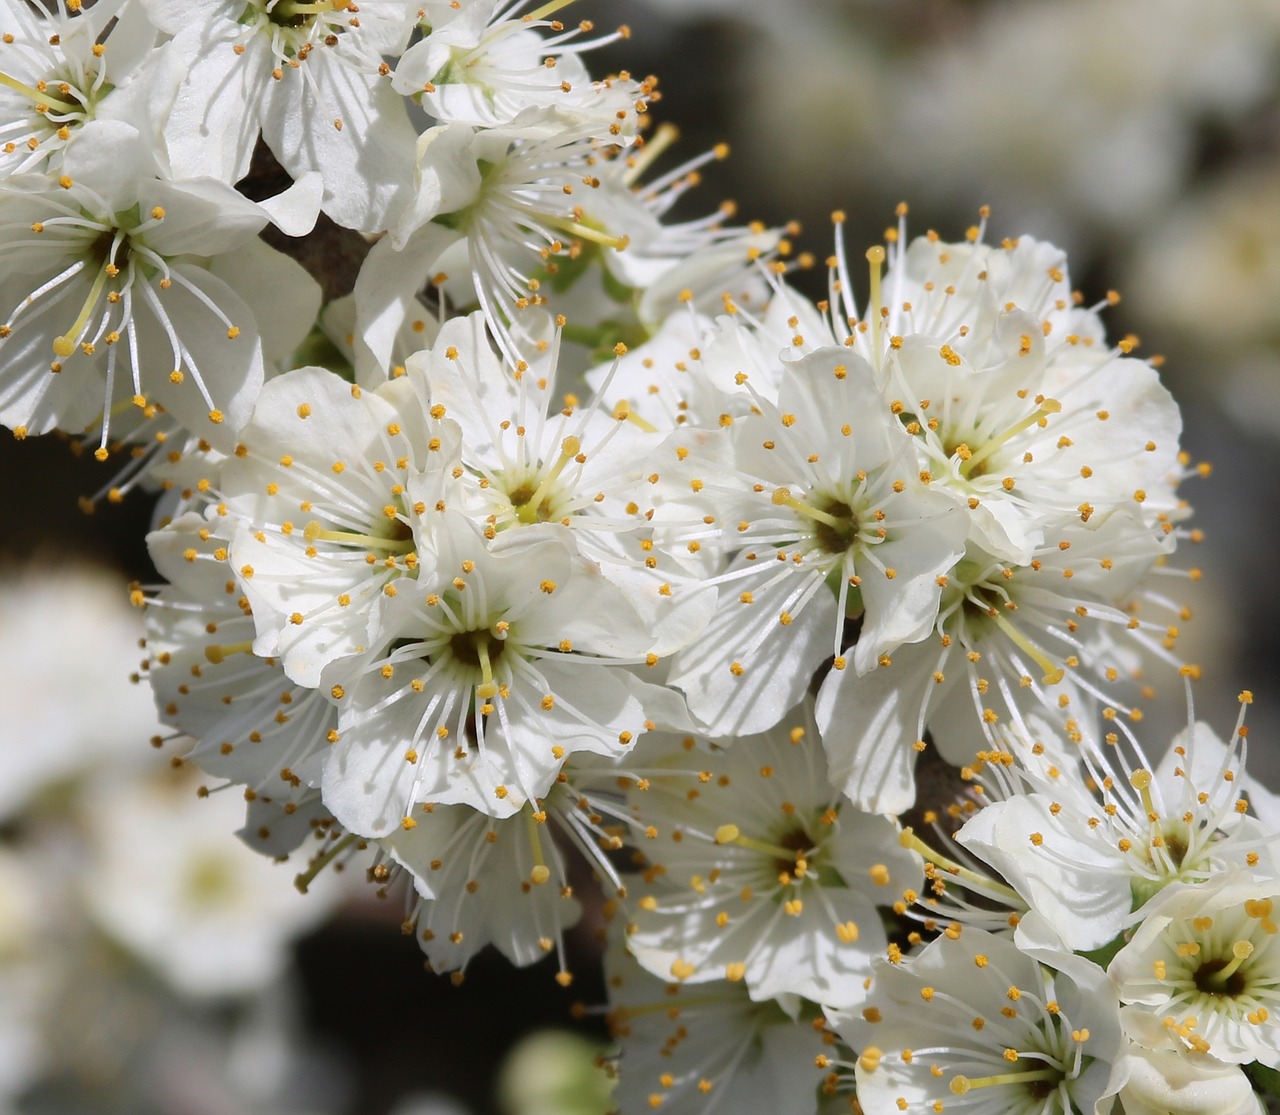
288, 9
586, 232
908, 839
960, 1085
487, 688
304, 879
216, 652
1047, 407
39, 96
540, 872
314, 531
782, 497
66, 344
1240, 952
731, 834
527, 512
1053, 673
550, 8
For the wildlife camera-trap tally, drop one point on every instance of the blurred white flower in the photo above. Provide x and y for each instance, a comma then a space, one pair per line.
169, 881
60, 724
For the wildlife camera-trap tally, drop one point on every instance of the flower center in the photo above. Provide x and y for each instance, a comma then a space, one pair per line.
476, 650
837, 532
539, 498
529, 508
1213, 978
298, 13
833, 522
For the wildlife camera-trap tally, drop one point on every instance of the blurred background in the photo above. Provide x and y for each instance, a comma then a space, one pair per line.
1142, 137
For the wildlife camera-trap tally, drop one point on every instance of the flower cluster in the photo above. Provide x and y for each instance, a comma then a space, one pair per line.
587, 515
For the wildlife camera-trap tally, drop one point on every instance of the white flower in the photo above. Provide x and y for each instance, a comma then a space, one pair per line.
517, 197
252, 724
972, 1024
822, 492
484, 880
507, 881
539, 206
531, 459
757, 871
487, 675
1024, 638
1178, 1081
63, 68
310, 78
167, 882
123, 292
1089, 845
1205, 959
319, 490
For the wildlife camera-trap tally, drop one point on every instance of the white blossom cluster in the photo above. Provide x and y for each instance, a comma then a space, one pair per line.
588, 515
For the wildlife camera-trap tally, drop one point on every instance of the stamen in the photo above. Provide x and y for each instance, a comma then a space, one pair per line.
1047, 407
875, 258
908, 839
